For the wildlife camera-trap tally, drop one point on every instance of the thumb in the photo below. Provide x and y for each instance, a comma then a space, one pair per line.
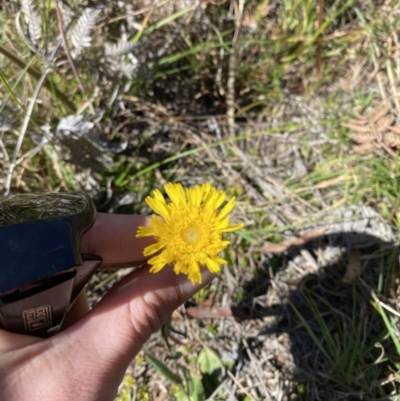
111, 334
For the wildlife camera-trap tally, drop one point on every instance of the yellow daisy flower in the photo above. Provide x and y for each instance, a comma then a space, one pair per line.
188, 229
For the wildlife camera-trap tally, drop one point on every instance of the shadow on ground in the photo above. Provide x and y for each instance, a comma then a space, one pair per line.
339, 346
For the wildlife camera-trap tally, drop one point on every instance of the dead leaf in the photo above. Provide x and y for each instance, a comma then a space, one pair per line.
376, 130
176, 315
354, 267
216, 312
284, 246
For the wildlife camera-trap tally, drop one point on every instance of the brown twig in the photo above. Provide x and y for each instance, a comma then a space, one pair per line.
230, 84
241, 387
294, 242
321, 8
67, 52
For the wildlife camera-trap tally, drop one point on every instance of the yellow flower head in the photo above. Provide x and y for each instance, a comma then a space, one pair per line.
188, 229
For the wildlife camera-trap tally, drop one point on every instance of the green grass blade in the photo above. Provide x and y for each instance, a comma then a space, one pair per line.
208, 45
286, 128
48, 84
159, 24
388, 324
163, 369
310, 332
322, 325
10, 91
166, 20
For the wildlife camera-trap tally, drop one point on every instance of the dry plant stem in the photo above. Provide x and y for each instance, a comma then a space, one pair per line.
67, 52
36, 74
217, 391
218, 75
392, 80
396, 52
22, 133
243, 389
29, 154
126, 16
378, 73
389, 379
387, 307
4, 150
230, 85
256, 368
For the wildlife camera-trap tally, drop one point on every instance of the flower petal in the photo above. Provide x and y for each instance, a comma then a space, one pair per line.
157, 263
176, 193
223, 223
227, 208
212, 265
194, 272
162, 230
220, 260
194, 195
158, 206
180, 267
219, 199
215, 198
224, 244
205, 189
144, 231
153, 248
158, 195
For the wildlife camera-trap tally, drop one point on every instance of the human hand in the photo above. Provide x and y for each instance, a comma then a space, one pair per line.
87, 360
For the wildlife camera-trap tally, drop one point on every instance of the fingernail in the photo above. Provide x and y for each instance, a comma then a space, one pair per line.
188, 289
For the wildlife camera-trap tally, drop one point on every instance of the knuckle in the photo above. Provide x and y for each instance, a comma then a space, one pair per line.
146, 315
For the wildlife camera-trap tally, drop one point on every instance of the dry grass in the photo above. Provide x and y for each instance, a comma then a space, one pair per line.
233, 93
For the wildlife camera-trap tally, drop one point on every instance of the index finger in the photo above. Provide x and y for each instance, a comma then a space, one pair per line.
113, 237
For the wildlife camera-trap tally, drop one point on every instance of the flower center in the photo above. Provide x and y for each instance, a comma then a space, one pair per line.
192, 234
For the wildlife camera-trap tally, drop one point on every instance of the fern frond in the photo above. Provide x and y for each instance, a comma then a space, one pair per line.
128, 69
32, 19
66, 13
365, 147
392, 139
80, 34
363, 137
112, 50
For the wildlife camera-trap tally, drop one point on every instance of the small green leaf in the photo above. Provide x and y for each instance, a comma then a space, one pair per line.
163, 369
209, 361
193, 388
166, 329
174, 357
